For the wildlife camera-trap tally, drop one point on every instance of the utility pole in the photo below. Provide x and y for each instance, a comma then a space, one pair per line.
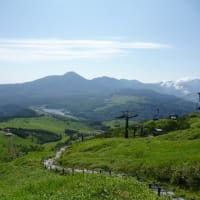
126, 115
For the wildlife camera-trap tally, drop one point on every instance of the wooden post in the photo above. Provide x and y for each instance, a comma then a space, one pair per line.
134, 131
159, 190
126, 125
139, 178
142, 131
82, 138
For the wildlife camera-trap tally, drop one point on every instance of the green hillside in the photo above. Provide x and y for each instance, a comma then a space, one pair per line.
33, 134
19, 143
171, 158
24, 177
48, 123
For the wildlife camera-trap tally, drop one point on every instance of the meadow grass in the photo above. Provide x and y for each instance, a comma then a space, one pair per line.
173, 158
49, 123
117, 100
25, 179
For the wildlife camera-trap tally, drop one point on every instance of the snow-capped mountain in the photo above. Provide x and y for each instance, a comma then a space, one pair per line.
185, 88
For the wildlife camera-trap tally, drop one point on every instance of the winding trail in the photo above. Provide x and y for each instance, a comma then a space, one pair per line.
50, 165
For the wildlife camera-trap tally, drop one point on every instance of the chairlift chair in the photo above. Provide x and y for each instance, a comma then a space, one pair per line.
173, 116
158, 131
117, 125
198, 106
156, 116
198, 103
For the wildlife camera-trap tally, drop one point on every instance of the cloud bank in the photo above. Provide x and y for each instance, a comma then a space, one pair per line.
26, 50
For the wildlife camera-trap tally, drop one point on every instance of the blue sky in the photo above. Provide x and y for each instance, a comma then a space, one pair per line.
148, 40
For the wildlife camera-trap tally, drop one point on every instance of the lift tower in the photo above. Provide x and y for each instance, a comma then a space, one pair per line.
126, 115
11, 149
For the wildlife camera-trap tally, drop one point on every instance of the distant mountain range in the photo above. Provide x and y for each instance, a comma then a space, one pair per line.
102, 98
186, 89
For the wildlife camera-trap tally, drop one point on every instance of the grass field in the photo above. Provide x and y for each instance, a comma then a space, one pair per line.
4, 153
172, 158
32, 182
117, 100
26, 179
23, 146
49, 123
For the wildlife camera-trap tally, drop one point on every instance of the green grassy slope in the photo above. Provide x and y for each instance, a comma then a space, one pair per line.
47, 123
117, 100
152, 157
4, 153
172, 158
24, 178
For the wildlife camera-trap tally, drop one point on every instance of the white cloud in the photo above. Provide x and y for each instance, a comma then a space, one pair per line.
24, 50
184, 79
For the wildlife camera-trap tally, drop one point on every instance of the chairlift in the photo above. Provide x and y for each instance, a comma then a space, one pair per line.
173, 116
158, 131
134, 129
117, 124
156, 116
198, 104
